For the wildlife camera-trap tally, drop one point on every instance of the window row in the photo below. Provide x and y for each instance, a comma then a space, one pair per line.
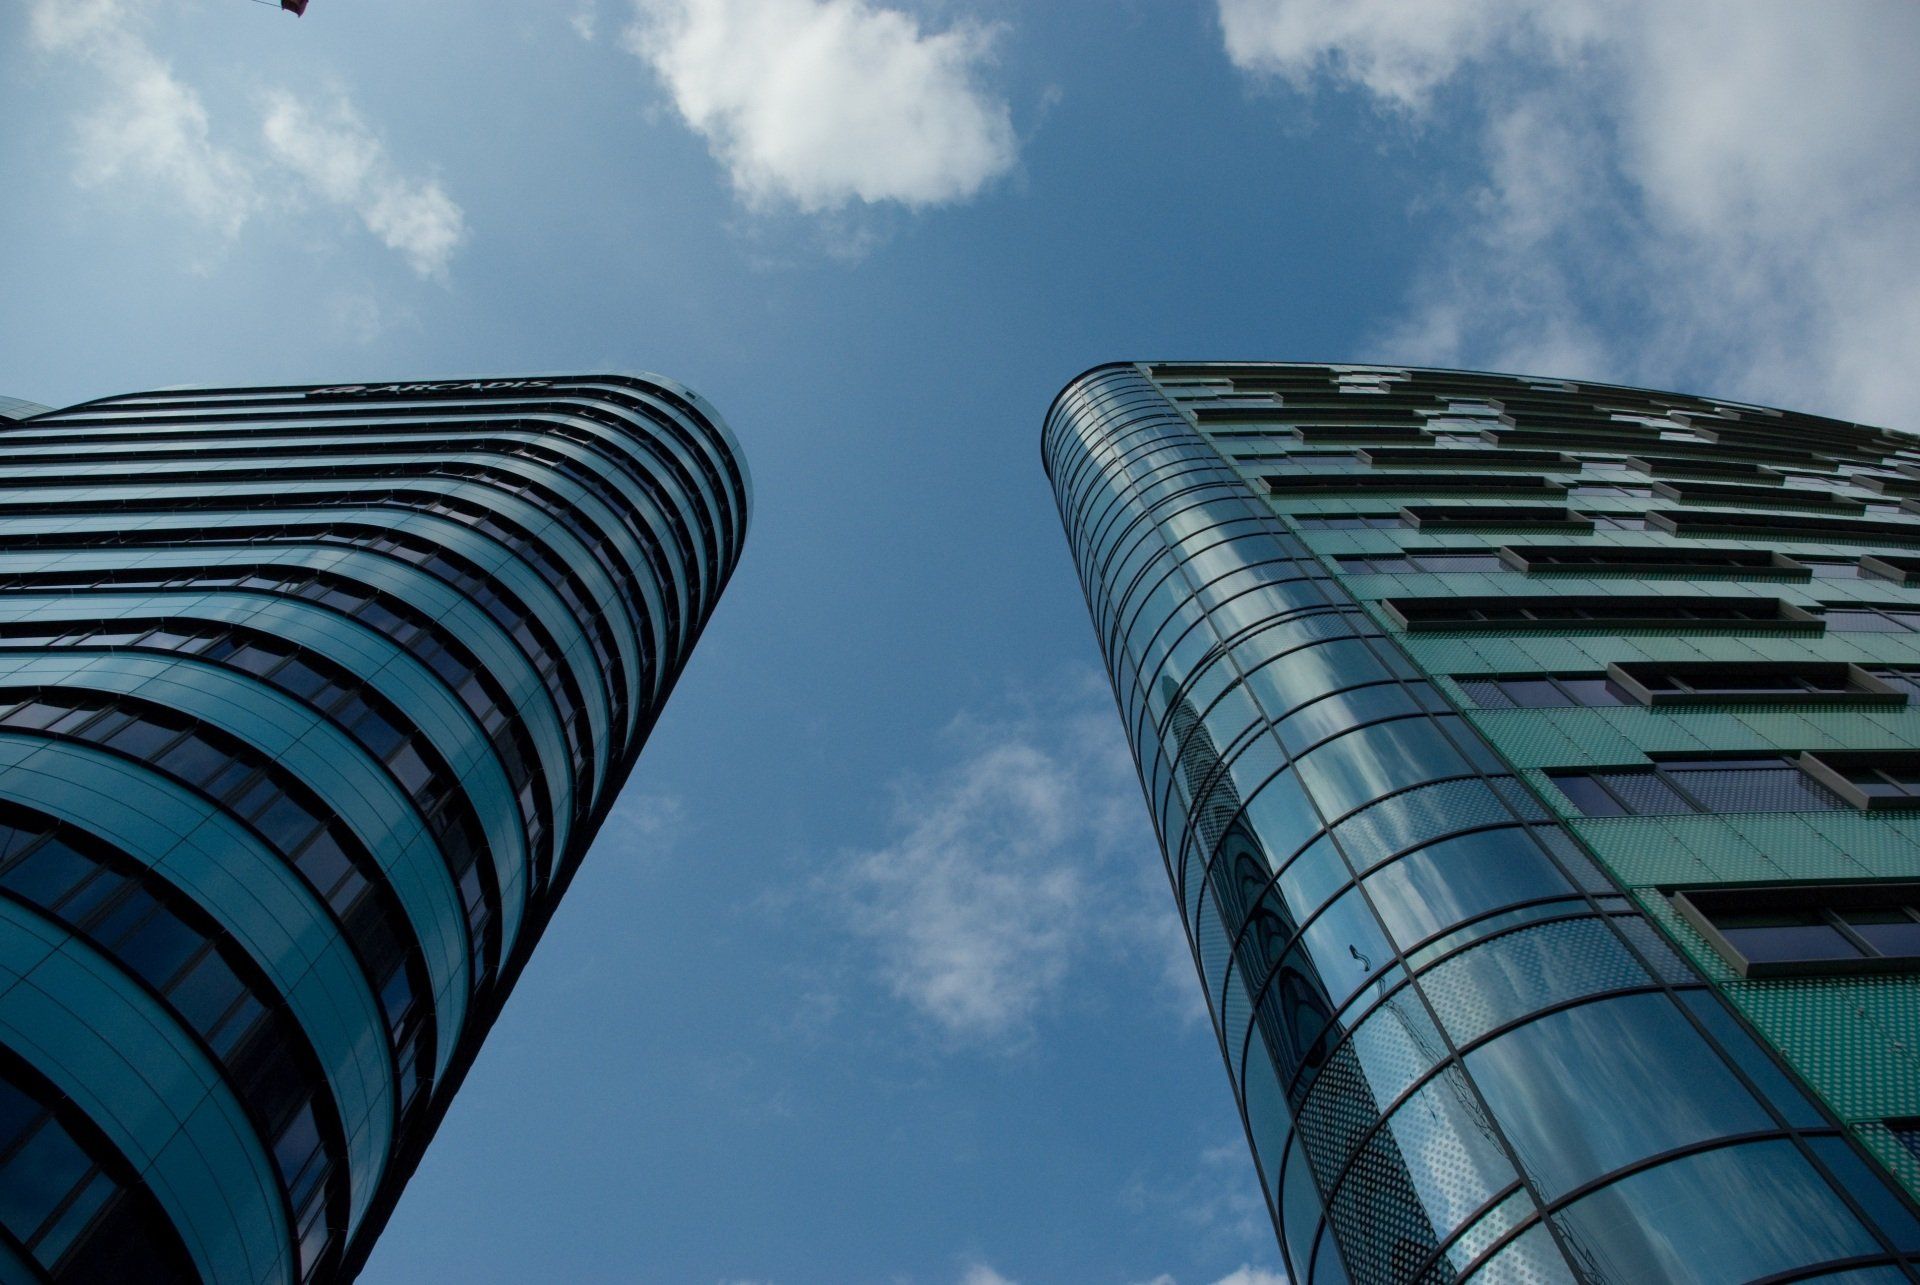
69, 1201
1622, 611
1831, 780
1800, 928
421, 636
481, 589
352, 705
1674, 683
286, 816
1473, 517
139, 920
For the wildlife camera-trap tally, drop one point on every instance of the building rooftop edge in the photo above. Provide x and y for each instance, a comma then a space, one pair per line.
1071, 384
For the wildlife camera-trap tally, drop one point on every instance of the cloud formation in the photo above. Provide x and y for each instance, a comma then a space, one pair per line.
1028, 854
1719, 195
343, 163
150, 131
818, 104
147, 127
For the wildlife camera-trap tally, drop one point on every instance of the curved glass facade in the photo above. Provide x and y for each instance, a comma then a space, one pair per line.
311, 702
1462, 1045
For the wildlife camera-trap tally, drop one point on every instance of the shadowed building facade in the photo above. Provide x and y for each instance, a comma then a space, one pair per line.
311, 701
1537, 767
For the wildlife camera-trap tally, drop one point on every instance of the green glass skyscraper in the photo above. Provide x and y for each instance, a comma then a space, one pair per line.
1537, 767
311, 701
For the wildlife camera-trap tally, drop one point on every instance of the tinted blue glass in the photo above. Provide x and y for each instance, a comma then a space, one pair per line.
1892, 1214
1345, 945
38, 1177
1728, 1215
1282, 815
1458, 878
1299, 1210
1770, 939
1355, 769
1586, 1090
1747, 1054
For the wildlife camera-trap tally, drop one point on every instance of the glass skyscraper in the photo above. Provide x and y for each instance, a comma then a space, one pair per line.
1537, 767
311, 701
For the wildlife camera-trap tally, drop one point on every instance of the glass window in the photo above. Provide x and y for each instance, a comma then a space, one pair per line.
193, 760
1645, 794
1355, 769
1586, 1090
1892, 931
141, 739
1593, 691
1486, 693
1726, 1215
1344, 946
159, 947
48, 874
1435, 888
1770, 786
1771, 938
38, 1176
1776, 929
1588, 797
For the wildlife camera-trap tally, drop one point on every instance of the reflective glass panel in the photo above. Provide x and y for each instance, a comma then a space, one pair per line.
1723, 1216
1788, 935
1586, 1090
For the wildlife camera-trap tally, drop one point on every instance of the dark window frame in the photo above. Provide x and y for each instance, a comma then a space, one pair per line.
1698, 904
1529, 613
1688, 683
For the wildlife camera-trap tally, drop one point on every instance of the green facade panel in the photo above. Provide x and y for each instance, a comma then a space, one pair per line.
1458, 700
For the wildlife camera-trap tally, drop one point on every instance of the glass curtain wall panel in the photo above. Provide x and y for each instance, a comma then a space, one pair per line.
1536, 777
311, 701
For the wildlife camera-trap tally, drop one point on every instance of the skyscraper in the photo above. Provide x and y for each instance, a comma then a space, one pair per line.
1536, 766
311, 701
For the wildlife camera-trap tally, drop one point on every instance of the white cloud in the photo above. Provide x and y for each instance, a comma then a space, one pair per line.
150, 131
146, 127
1252, 1276
585, 22
1719, 195
817, 104
1004, 871
344, 163
981, 1274
1243, 1275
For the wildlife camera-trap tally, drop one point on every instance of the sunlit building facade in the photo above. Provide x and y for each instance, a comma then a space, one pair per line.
1537, 767
311, 701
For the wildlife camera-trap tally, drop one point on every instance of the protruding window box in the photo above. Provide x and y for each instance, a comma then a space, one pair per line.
1488, 517
1320, 434
1762, 497
1799, 930
1871, 780
1679, 563
1893, 487
1666, 684
1241, 411
1902, 571
1395, 457
1708, 469
1463, 483
1509, 614
1784, 526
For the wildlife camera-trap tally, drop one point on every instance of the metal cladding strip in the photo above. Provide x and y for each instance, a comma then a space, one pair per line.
362, 669
1457, 1049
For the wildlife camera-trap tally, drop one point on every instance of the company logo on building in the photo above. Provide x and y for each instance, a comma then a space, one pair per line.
444, 386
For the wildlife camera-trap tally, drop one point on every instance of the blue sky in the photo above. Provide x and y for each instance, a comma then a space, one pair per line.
873, 974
